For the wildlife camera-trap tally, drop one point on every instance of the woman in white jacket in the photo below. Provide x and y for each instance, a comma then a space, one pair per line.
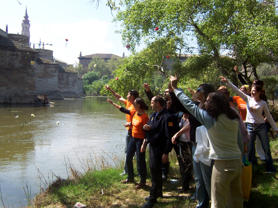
256, 123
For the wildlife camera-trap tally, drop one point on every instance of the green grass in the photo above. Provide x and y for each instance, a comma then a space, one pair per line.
265, 186
102, 188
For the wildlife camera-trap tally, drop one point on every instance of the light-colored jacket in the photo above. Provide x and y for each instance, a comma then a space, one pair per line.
224, 134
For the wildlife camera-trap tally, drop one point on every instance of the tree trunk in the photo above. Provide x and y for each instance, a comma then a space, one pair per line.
254, 70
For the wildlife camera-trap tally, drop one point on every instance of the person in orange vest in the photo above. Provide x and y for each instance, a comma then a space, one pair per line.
139, 119
241, 104
128, 102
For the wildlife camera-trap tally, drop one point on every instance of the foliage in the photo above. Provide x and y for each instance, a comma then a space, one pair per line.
265, 69
79, 69
104, 68
247, 30
271, 87
90, 77
99, 73
152, 65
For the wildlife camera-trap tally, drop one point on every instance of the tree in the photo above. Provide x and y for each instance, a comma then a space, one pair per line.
271, 87
99, 73
246, 30
149, 65
90, 77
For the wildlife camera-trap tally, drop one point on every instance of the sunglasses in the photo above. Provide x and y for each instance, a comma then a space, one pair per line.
200, 89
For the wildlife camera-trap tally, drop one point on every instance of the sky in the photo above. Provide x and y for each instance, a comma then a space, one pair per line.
87, 27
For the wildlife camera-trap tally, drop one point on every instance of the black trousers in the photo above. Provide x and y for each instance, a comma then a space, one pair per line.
184, 155
155, 169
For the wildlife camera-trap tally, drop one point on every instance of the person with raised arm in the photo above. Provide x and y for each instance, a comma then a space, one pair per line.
139, 119
222, 127
255, 122
131, 96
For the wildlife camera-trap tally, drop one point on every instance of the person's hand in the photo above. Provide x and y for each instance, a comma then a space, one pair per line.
236, 68
109, 101
143, 146
127, 124
174, 82
164, 158
170, 87
223, 79
174, 138
147, 87
146, 127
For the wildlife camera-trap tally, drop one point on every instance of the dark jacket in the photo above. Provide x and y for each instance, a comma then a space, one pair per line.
178, 107
162, 128
194, 123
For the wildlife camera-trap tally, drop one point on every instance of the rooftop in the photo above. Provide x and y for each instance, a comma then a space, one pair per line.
100, 55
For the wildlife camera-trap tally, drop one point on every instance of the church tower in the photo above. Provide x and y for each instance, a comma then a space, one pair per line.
26, 25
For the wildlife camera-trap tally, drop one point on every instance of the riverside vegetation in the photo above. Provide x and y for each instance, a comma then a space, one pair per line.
102, 188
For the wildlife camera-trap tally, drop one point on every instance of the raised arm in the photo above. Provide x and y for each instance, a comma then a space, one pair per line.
114, 104
122, 109
148, 91
201, 115
239, 75
234, 88
116, 95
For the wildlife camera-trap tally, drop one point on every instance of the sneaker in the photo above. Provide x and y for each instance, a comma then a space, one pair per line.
193, 197
271, 170
164, 177
150, 203
123, 173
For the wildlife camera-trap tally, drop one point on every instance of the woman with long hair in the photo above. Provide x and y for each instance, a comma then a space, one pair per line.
224, 139
255, 122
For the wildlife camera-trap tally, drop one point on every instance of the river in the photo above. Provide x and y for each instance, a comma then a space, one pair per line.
39, 143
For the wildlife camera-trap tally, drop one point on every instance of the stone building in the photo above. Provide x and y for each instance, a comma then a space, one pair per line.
27, 73
85, 60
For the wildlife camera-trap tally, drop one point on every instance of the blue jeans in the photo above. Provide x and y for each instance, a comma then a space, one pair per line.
134, 146
260, 131
202, 176
127, 140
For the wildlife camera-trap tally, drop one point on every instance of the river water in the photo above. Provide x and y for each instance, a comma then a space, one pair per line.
39, 143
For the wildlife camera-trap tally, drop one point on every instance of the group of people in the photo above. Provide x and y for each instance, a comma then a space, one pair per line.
209, 134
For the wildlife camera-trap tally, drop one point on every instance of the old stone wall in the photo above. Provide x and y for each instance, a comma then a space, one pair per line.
20, 39
23, 77
44, 53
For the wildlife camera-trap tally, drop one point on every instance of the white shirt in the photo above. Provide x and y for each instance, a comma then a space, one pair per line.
202, 149
255, 109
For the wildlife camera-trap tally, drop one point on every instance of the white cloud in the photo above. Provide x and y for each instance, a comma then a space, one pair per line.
89, 36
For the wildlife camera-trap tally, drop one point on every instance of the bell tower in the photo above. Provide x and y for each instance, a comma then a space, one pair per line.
26, 25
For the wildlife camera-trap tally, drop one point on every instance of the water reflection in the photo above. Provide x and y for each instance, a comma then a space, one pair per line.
72, 131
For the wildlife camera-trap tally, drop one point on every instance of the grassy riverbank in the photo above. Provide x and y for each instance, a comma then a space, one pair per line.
104, 189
